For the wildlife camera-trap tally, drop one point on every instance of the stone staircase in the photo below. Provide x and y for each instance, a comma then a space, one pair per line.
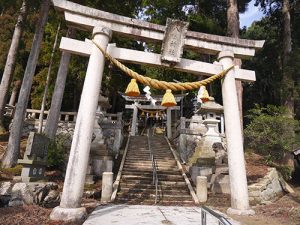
136, 184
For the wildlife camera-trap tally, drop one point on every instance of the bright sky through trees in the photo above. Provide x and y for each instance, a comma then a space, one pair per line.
252, 14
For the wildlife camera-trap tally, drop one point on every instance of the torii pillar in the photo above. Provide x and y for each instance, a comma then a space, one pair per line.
169, 123
70, 205
236, 159
134, 120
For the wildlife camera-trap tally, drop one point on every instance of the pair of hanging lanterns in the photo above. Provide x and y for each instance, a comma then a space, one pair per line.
168, 98
133, 91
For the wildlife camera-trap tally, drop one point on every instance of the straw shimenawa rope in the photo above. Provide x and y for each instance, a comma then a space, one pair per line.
157, 84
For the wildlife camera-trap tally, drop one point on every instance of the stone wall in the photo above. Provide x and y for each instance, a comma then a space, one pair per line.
65, 128
267, 188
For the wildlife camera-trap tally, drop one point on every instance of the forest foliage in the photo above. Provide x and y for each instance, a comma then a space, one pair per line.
203, 16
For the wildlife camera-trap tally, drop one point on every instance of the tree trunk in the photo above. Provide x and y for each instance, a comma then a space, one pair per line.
14, 93
11, 61
233, 28
57, 97
41, 118
233, 22
287, 81
12, 152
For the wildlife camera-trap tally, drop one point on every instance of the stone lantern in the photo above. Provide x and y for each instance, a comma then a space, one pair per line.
212, 110
99, 160
202, 161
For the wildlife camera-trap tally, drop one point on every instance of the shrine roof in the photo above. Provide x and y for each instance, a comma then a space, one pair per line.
143, 98
211, 106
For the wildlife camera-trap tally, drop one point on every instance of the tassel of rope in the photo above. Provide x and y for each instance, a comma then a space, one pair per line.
163, 85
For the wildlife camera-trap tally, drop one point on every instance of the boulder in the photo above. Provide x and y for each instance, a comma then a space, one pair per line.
22, 191
5, 188
14, 194
15, 202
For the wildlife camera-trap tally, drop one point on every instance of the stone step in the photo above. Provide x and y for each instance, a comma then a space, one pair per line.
152, 195
149, 172
165, 197
166, 152
148, 157
162, 202
137, 152
138, 149
140, 179
152, 190
169, 171
147, 167
140, 145
149, 181
163, 156
179, 185
146, 176
143, 163
146, 162
130, 154
160, 149
139, 161
136, 157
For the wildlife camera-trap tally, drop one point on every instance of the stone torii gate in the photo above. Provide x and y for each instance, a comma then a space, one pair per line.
135, 107
103, 25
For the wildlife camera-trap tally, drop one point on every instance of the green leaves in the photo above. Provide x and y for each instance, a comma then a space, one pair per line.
57, 152
270, 133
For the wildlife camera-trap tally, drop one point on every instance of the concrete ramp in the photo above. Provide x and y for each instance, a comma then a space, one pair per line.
150, 215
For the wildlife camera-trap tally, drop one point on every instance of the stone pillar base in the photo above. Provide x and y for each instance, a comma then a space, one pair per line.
68, 214
241, 212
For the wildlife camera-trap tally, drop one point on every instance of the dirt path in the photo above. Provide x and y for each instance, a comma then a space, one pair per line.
283, 211
36, 215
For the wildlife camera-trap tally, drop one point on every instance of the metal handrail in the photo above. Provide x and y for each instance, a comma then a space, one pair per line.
221, 220
154, 166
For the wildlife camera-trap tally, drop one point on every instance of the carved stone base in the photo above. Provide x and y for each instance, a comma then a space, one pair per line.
241, 212
200, 171
68, 214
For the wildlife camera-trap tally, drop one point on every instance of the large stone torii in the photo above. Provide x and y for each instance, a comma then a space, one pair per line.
102, 25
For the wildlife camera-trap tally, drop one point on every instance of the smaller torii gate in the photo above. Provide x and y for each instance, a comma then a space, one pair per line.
135, 105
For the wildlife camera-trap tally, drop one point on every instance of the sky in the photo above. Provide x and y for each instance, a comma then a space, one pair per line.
252, 14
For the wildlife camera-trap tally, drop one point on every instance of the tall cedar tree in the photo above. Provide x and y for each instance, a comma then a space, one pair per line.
11, 61
13, 148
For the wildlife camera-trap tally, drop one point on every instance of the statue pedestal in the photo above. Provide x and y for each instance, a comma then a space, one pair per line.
35, 158
202, 162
